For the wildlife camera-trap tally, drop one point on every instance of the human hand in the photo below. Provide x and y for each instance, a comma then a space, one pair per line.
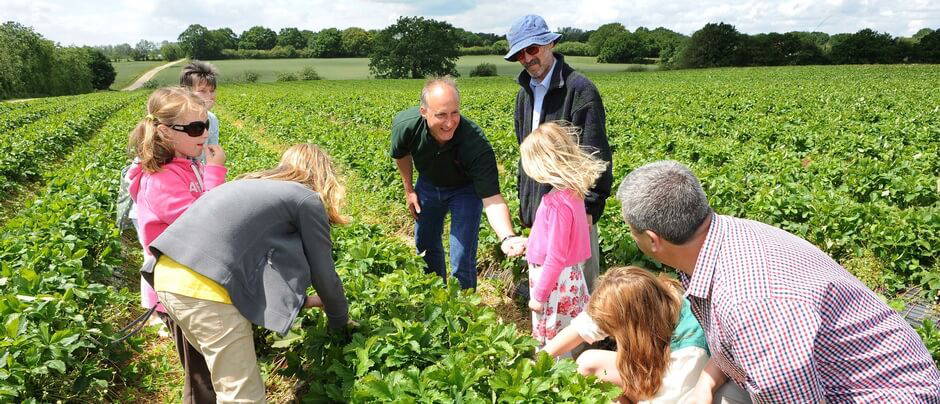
313, 301
536, 305
215, 155
513, 246
411, 200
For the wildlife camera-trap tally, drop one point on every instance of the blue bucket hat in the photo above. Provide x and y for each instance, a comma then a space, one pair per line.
528, 30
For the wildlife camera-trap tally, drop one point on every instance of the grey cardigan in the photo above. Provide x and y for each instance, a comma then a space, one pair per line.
265, 242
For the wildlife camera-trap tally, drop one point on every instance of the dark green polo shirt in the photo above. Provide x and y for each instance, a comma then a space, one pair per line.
466, 158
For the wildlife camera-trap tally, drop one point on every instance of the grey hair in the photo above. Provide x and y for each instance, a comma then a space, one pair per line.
665, 198
438, 81
196, 72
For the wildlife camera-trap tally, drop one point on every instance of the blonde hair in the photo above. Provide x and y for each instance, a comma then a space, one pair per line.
307, 164
165, 106
640, 311
551, 155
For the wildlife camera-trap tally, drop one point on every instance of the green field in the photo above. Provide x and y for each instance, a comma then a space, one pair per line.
358, 68
127, 72
847, 157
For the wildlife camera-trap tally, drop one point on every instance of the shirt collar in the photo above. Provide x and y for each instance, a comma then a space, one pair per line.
545, 81
703, 274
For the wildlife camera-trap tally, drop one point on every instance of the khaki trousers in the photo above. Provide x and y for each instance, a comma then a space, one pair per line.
224, 338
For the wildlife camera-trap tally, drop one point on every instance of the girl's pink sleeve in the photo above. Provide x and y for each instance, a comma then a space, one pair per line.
559, 229
168, 196
214, 176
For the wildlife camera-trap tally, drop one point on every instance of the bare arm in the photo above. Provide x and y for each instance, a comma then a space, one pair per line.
406, 171
564, 342
710, 380
497, 213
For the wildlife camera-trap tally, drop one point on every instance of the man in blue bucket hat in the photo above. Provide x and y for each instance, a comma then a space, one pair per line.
552, 90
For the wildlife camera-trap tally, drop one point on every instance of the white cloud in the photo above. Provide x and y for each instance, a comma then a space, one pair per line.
118, 21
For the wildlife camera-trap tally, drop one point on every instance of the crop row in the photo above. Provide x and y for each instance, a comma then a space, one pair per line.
26, 151
62, 297
22, 113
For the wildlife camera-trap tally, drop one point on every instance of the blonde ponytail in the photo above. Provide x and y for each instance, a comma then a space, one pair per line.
165, 106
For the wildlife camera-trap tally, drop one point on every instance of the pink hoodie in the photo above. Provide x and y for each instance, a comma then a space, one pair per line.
560, 237
162, 197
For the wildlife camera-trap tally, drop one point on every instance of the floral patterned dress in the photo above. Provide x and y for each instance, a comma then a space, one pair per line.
568, 299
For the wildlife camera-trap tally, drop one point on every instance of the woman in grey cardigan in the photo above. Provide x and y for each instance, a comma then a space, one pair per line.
245, 253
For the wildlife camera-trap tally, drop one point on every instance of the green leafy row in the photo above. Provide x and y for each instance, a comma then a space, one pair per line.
25, 112
60, 302
26, 151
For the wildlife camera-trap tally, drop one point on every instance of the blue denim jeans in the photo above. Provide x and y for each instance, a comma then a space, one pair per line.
465, 209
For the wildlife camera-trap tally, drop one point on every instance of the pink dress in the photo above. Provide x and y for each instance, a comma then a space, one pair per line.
559, 244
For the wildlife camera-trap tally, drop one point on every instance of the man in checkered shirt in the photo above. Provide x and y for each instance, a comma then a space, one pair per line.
782, 318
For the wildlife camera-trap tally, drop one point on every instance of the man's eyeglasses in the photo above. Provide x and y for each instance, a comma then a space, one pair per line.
193, 129
530, 50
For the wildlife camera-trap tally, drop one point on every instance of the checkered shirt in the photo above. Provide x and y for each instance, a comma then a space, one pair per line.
789, 324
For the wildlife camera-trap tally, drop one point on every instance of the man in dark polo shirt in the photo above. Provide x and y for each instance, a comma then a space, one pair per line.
457, 174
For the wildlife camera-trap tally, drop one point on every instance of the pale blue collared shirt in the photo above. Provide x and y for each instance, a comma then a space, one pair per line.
539, 89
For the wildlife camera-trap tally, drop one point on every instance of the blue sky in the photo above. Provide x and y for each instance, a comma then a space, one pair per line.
112, 22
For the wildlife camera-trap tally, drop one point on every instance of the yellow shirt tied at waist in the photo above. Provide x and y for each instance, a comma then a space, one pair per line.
171, 276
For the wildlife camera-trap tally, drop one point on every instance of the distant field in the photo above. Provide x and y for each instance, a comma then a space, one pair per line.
358, 68
127, 72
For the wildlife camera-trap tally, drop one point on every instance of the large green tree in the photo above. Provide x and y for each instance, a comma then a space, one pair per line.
25, 62
171, 51
224, 38
357, 42
258, 37
572, 34
603, 33
198, 42
327, 43
415, 47
867, 46
102, 72
715, 45
623, 47
928, 48
291, 37
144, 50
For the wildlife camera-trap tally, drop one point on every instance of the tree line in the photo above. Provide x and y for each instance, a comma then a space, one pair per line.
415, 47
32, 66
716, 44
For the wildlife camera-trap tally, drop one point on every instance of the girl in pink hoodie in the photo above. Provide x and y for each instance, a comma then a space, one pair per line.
560, 240
164, 183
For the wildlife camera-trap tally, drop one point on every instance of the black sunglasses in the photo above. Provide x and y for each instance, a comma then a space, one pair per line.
193, 129
530, 50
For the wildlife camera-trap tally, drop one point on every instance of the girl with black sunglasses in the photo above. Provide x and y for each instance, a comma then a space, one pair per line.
164, 182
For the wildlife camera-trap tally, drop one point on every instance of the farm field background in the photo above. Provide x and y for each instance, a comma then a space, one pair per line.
358, 68
127, 72
847, 157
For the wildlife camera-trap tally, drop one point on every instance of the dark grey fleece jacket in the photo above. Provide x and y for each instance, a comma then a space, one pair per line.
571, 97
265, 242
